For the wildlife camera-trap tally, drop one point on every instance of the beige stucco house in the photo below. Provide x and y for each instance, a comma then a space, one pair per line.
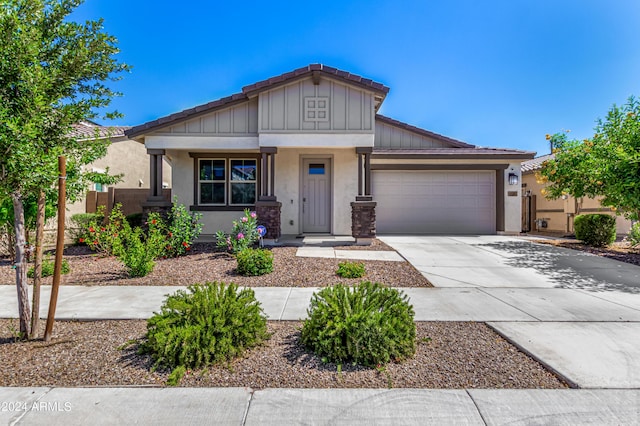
308, 150
124, 157
556, 216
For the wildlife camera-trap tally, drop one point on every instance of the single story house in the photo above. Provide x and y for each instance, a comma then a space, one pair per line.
556, 216
309, 152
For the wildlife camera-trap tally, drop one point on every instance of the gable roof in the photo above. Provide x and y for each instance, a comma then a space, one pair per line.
313, 70
536, 163
423, 132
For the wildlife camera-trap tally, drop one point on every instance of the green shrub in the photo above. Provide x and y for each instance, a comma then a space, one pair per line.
106, 239
204, 325
368, 324
596, 230
79, 230
182, 230
243, 234
47, 268
350, 269
634, 235
254, 262
137, 250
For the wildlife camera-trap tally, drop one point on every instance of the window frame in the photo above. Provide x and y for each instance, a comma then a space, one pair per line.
227, 206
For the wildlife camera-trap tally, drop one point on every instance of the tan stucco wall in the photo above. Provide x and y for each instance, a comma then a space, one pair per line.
129, 158
344, 186
287, 189
557, 213
183, 185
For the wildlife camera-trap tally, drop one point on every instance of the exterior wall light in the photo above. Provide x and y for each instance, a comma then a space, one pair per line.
513, 179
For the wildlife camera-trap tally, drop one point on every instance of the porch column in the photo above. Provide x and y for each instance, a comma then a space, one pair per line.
267, 173
156, 201
268, 207
363, 210
364, 176
155, 163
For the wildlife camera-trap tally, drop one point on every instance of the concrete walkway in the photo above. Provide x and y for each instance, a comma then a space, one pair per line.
242, 406
578, 314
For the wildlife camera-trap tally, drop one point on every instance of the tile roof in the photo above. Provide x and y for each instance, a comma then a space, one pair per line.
423, 132
252, 89
536, 163
316, 68
471, 152
90, 130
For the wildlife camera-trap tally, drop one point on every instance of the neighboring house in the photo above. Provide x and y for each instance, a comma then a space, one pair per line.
542, 214
309, 152
124, 156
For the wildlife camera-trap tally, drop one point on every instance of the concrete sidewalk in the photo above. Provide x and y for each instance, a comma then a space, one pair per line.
242, 406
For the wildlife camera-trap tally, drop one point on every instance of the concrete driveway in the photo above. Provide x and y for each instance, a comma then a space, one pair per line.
579, 313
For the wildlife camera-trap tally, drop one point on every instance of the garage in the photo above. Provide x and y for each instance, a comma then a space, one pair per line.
435, 201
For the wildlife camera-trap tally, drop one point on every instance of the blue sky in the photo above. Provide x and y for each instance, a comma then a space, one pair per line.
491, 73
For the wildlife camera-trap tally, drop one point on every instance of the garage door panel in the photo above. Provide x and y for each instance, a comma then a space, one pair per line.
432, 202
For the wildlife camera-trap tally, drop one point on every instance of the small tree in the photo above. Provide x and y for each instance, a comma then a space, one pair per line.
607, 165
52, 75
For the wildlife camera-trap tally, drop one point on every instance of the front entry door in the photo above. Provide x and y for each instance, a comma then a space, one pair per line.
316, 195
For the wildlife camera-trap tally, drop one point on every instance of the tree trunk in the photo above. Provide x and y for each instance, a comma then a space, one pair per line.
21, 265
37, 267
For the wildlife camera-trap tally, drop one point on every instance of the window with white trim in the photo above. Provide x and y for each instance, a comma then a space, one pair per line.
227, 181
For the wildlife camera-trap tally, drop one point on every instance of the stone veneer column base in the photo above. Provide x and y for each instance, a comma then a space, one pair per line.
161, 207
363, 221
269, 216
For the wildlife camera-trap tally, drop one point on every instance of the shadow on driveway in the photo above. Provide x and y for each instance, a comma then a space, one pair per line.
569, 268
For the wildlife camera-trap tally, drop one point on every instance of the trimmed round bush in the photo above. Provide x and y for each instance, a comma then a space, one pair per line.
254, 262
596, 230
204, 325
368, 324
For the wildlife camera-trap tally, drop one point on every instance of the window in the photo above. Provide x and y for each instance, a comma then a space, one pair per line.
227, 181
316, 169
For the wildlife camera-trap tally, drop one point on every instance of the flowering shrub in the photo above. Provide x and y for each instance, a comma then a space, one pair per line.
136, 249
103, 238
243, 235
183, 229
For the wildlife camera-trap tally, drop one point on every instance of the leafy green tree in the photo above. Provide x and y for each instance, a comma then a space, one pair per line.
607, 165
53, 73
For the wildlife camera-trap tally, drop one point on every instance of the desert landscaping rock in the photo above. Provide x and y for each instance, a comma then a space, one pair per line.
452, 355
206, 263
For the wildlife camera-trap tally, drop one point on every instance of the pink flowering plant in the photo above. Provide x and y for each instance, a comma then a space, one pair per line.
243, 235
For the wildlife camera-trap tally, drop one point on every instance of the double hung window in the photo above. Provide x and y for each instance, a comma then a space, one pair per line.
227, 181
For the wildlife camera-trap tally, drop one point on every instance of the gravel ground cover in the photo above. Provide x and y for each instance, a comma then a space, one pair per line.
206, 263
104, 353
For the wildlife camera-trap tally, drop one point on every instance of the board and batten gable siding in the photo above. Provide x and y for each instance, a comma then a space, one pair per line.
239, 120
350, 110
391, 137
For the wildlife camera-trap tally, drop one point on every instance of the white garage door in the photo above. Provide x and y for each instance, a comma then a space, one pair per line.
435, 202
